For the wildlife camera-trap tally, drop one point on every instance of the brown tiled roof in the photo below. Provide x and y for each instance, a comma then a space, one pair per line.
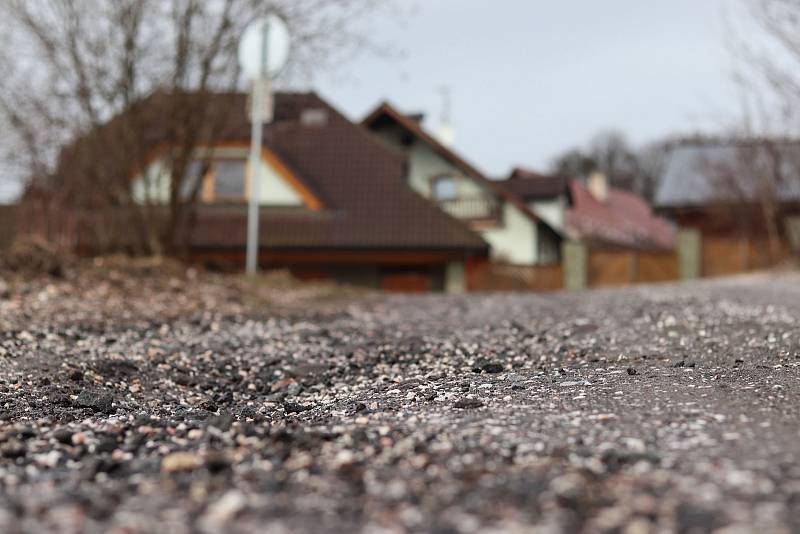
386, 110
359, 182
530, 185
623, 219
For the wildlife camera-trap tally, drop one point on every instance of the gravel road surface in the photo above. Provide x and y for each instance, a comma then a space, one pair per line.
647, 409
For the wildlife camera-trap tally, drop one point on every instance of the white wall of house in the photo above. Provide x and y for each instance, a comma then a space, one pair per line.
425, 164
550, 211
516, 241
274, 189
152, 186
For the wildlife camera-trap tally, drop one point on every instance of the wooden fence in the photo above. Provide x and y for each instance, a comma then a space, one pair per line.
504, 277
729, 255
607, 267
713, 256
585, 266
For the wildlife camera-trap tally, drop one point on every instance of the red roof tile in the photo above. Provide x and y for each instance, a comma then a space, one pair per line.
623, 219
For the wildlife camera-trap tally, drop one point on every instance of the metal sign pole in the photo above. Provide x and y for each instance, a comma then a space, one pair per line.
263, 52
261, 84
255, 179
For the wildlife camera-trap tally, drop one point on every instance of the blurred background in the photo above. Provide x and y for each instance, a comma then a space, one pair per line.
409, 146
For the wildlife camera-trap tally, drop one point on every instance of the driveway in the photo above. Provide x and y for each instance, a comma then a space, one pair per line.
646, 409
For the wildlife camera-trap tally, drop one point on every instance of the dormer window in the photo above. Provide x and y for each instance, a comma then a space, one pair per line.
229, 176
224, 181
444, 187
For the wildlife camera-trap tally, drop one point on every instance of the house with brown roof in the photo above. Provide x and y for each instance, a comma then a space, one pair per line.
516, 231
591, 211
545, 195
607, 216
334, 202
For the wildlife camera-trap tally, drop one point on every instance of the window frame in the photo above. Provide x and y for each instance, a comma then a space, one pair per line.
208, 191
444, 176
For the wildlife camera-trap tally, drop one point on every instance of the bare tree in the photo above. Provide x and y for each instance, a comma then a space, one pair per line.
767, 139
614, 155
651, 161
77, 75
574, 163
611, 153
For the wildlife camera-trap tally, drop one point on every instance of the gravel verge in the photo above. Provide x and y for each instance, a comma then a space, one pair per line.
182, 405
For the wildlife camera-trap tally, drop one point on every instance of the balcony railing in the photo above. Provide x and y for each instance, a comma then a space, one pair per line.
472, 208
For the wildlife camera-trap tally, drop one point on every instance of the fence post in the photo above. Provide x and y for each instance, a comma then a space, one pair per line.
689, 253
455, 278
575, 257
792, 225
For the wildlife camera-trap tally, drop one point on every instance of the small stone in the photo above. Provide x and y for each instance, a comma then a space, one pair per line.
217, 462
180, 461
492, 368
223, 510
12, 448
106, 445
59, 399
49, 459
294, 407
571, 383
63, 435
344, 458
632, 371
468, 403
25, 432
102, 403
208, 406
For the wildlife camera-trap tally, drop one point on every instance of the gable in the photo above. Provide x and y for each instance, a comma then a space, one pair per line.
426, 165
279, 185
386, 114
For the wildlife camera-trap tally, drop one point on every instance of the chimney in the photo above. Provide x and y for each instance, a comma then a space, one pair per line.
597, 183
445, 133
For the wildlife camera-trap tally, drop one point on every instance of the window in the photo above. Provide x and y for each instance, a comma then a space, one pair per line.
225, 180
444, 188
229, 179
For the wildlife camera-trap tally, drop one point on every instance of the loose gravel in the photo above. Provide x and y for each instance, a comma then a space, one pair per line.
177, 406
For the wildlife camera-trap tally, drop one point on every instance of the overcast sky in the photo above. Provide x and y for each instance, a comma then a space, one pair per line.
531, 78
